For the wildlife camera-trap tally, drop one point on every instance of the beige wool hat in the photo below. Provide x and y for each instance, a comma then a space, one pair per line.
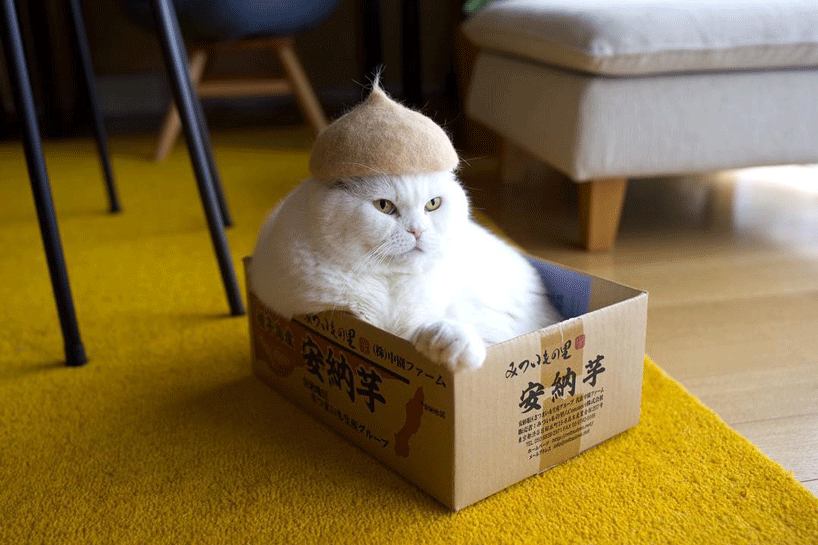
380, 136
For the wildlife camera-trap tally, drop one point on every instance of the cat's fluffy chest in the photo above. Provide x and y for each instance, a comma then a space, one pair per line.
399, 302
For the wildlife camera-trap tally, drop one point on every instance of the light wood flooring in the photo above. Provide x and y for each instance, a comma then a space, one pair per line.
731, 264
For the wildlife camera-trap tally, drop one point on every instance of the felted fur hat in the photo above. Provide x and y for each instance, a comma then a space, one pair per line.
380, 136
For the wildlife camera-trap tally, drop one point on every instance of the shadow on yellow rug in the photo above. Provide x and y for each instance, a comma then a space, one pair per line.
165, 437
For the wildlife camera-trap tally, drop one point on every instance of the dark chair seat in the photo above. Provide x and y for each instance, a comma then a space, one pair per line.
228, 20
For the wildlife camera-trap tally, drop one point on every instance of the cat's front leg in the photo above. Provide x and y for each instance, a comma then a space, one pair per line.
451, 343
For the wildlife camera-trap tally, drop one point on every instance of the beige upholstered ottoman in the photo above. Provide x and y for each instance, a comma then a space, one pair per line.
605, 91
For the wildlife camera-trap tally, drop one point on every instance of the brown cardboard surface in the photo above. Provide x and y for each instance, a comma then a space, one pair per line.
605, 293
538, 400
552, 429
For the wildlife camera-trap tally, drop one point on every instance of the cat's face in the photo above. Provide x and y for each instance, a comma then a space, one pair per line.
392, 222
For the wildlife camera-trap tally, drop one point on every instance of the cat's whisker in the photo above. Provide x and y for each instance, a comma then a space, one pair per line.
374, 252
357, 268
468, 161
382, 257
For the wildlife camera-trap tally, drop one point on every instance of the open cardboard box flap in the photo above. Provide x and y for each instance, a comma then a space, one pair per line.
538, 400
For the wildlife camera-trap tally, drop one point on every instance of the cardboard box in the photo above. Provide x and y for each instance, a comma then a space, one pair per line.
538, 400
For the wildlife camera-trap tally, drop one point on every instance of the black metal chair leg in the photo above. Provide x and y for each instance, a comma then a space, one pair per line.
21, 88
214, 173
81, 40
177, 65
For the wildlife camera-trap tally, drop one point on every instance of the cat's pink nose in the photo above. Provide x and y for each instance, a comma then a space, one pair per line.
415, 233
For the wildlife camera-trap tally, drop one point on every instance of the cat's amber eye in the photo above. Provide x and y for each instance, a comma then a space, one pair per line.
433, 204
386, 206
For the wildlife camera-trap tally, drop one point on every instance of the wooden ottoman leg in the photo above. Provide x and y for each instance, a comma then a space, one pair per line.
600, 206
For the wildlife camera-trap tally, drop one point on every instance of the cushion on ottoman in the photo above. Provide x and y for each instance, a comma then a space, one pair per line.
630, 37
592, 127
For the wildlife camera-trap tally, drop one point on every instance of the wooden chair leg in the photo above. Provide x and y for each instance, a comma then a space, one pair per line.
172, 125
304, 93
600, 207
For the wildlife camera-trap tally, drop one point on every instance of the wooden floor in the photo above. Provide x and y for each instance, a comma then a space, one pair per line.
731, 264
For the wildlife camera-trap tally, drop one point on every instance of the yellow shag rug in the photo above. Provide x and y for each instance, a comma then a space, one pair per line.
165, 436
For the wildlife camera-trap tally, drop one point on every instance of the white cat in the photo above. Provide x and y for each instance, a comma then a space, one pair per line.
402, 253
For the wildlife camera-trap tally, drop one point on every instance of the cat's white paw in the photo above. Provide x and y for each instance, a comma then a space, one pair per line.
451, 343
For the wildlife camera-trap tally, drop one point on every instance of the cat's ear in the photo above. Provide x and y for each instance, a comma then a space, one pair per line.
344, 184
